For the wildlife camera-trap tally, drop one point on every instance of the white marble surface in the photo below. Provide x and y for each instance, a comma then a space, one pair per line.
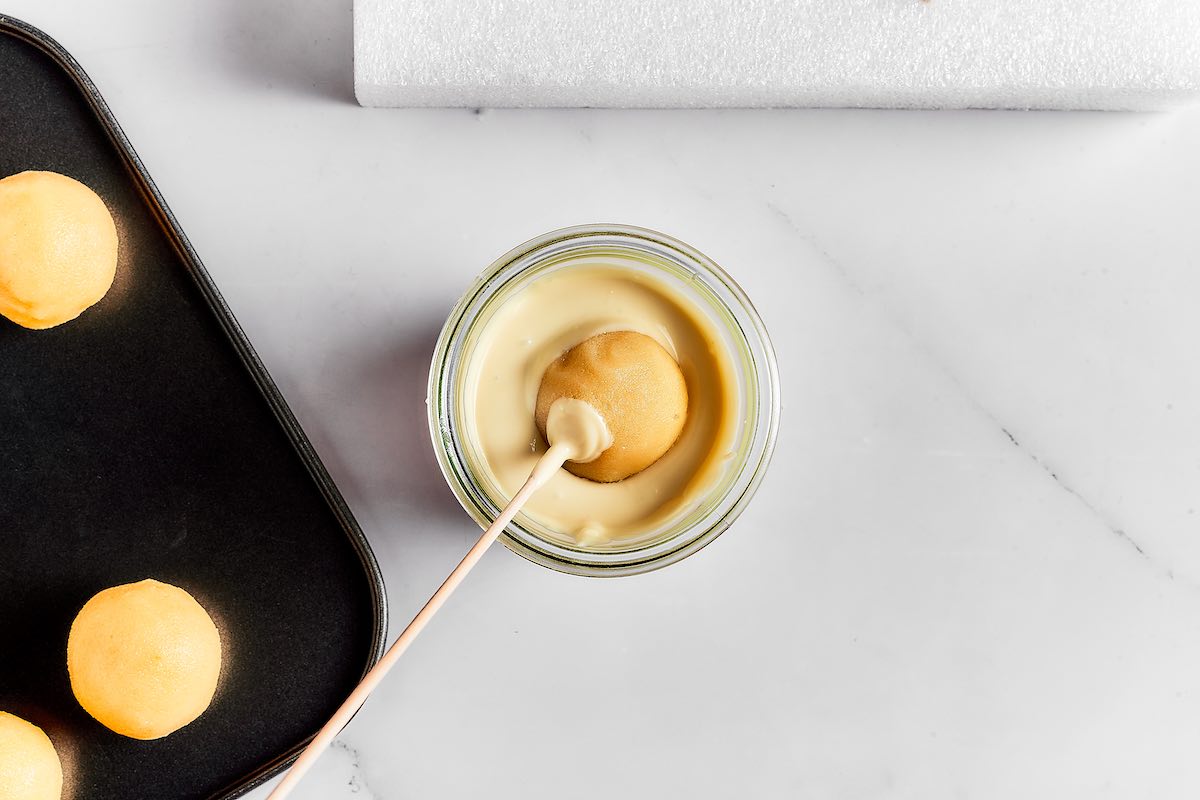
974, 568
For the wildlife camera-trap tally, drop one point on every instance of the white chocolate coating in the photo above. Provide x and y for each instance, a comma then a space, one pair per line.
503, 370
578, 424
635, 385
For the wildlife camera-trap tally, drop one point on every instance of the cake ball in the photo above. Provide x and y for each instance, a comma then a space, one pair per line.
58, 249
144, 659
29, 765
635, 385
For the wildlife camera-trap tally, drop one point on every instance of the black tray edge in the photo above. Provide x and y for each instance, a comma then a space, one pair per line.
249, 358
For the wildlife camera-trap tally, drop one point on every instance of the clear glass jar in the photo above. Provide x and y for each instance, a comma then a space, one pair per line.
696, 279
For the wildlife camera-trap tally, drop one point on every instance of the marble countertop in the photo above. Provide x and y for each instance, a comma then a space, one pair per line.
974, 567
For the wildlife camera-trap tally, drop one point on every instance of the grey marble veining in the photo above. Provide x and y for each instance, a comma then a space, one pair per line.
973, 569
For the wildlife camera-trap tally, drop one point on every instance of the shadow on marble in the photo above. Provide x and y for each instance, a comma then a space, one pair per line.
392, 465
301, 46
396, 378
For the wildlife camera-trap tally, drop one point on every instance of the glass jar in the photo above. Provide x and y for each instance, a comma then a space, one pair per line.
697, 280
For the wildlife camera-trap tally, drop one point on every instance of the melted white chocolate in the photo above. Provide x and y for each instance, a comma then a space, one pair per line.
504, 368
578, 425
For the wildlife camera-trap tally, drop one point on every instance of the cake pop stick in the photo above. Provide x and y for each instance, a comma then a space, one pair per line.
579, 433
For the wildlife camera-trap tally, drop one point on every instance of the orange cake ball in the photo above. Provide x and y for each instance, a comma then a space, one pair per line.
29, 765
58, 249
144, 659
638, 389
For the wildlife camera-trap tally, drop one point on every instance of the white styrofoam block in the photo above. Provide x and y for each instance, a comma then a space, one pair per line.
1103, 54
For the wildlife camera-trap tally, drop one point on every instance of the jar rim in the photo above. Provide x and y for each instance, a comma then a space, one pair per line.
763, 418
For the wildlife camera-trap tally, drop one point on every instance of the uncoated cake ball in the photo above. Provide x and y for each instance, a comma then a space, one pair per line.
29, 765
58, 249
144, 659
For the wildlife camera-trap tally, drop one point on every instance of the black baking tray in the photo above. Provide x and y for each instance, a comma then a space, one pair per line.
145, 439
